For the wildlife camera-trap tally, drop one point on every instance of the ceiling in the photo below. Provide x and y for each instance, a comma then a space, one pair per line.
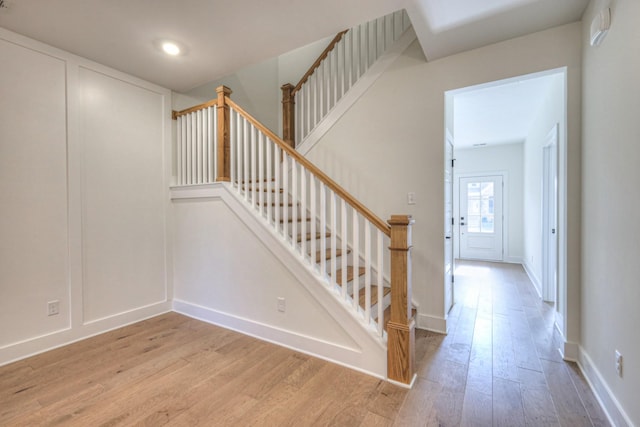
222, 36
500, 112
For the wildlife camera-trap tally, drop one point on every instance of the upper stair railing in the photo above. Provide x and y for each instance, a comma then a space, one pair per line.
330, 230
349, 55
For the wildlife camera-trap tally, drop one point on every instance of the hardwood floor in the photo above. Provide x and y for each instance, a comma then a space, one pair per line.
499, 365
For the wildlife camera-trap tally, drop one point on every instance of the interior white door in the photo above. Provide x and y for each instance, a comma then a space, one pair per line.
481, 217
448, 224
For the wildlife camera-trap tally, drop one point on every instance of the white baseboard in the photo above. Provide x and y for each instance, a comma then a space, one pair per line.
537, 284
352, 358
610, 405
40, 344
431, 323
570, 351
513, 260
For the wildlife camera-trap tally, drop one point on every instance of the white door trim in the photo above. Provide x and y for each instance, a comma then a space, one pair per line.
550, 216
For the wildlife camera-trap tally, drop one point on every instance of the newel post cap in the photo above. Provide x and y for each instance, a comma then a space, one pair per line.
227, 91
401, 220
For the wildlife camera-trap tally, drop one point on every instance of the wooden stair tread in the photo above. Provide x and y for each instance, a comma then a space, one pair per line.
264, 190
251, 181
328, 254
374, 295
307, 237
350, 274
290, 220
273, 204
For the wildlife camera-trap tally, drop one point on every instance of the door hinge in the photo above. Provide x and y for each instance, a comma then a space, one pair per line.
453, 163
452, 223
453, 278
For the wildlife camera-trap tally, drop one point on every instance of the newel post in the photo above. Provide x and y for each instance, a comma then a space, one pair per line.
288, 115
224, 146
401, 326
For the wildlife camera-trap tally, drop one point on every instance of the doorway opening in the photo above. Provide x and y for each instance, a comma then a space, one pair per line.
509, 180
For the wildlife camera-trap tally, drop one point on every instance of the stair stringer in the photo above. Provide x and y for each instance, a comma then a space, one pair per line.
370, 354
358, 89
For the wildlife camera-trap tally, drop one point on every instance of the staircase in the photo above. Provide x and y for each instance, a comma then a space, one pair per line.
363, 262
331, 254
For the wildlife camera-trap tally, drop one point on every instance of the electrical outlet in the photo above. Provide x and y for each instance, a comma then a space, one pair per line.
53, 308
411, 198
619, 363
282, 305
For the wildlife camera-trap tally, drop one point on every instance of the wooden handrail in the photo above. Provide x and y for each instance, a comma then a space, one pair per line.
176, 114
316, 64
364, 211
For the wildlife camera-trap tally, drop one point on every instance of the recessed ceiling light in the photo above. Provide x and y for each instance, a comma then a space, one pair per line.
170, 48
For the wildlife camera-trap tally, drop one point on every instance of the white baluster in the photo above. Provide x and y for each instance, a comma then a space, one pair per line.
380, 280
179, 158
188, 141
310, 100
254, 168
213, 131
356, 53
313, 225
205, 145
278, 201
367, 270
294, 200
236, 138
323, 229
335, 74
300, 120
320, 93
247, 157
366, 48
261, 173
343, 240
199, 147
303, 208
356, 259
286, 197
214, 149
271, 191
232, 147
334, 232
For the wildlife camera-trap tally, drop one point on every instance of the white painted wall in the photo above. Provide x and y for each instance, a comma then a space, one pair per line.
256, 88
502, 159
610, 202
33, 190
551, 112
391, 142
83, 179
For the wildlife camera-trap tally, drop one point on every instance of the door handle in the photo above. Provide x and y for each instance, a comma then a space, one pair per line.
553, 231
447, 237
462, 223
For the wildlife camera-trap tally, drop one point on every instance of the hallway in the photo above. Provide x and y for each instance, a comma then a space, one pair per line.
499, 364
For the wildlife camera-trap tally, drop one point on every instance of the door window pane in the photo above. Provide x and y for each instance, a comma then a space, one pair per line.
480, 207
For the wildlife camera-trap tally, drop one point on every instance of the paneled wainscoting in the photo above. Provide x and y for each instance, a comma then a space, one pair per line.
499, 365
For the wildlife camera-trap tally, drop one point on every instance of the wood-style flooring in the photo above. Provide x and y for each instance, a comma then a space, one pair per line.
499, 365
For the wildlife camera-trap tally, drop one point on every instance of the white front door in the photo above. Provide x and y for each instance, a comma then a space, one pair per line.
448, 224
481, 218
